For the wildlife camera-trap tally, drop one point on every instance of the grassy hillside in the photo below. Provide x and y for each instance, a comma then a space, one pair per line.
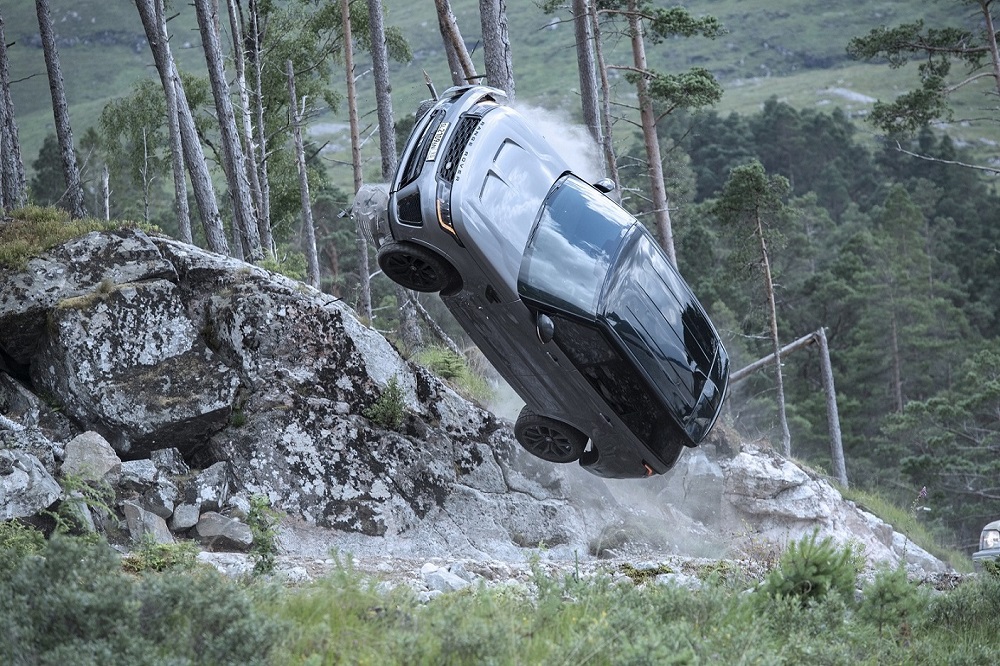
794, 49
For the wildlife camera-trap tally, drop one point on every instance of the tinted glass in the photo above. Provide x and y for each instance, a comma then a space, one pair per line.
573, 244
654, 312
614, 377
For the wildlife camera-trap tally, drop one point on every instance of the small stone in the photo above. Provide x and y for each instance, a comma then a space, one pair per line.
222, 531
137, 474
445, 581
185, 517
141, 522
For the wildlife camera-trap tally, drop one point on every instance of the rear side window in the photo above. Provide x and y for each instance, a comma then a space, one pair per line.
613, 376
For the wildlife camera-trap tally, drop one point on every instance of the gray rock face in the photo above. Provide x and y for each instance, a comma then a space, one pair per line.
216, 381
129, 363
25, 486
70, 270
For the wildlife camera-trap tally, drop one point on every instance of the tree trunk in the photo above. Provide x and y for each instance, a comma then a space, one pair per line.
607, 146
657, 188
181, 207
383, 90
60, 112
496, 45
250, 164
786, 438
991, 41
832, 413
897, 364
194, 156
587, 69
147, 180
13, 194
352, 107
106, 192
409, 329
256, 54
232, 151
308, 229
465, 73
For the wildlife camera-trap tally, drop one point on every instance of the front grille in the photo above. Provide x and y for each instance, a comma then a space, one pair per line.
460, 139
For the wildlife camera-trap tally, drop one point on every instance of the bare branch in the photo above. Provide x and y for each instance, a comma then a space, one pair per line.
978, 167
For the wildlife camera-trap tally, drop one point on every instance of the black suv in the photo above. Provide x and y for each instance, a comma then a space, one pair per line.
567, 295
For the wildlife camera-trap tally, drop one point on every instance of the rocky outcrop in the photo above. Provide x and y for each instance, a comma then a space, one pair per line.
190, 382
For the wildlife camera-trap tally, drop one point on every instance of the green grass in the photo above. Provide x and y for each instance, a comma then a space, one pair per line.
194, 615
31, 230
905, 521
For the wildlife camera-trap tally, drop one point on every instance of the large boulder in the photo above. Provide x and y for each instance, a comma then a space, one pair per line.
75, 268
127, 362
784, 502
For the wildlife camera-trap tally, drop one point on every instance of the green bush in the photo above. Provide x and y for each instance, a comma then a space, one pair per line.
809, 570
72, 604
891, 601
455, 369
17, 541
262, 521
389, 410
153, 556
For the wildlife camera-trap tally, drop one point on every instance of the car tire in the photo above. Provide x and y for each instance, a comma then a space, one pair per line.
417, 268
548, 439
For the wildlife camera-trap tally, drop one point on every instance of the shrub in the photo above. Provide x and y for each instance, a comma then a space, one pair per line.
17, 541
153, 556
75, 605
389, 409
811, 569
456, 369
891, 601
262, 521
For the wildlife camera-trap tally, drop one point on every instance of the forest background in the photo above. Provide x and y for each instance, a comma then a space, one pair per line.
896, 256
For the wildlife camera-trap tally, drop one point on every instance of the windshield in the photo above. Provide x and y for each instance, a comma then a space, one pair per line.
574, 242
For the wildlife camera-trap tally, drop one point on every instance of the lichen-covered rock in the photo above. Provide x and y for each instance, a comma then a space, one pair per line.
72, 269
17, 402
26, 488
145, 524
130, 364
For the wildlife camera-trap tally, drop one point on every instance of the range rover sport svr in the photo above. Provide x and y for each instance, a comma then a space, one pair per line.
567, 295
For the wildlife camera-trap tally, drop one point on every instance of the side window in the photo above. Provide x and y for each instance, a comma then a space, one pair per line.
615, 379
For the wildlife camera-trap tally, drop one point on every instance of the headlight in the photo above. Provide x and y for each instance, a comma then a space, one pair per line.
443, 206
989, 540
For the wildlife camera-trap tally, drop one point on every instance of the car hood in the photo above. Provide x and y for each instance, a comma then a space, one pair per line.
505, 174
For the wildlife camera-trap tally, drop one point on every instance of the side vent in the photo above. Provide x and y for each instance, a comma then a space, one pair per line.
409, 210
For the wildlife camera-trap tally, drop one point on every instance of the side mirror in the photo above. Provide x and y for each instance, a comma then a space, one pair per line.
545, 328
605, 185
